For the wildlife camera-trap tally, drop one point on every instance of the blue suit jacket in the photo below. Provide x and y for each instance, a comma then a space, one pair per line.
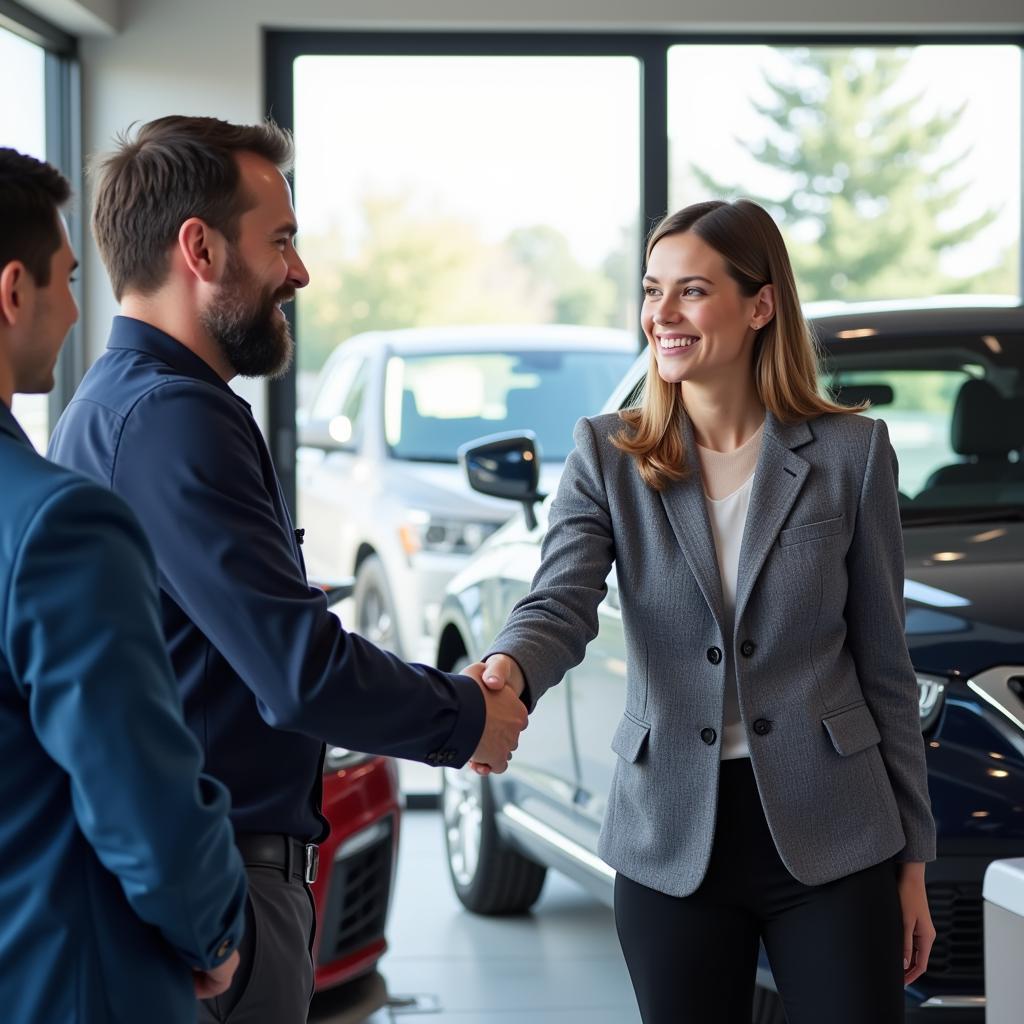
117, 866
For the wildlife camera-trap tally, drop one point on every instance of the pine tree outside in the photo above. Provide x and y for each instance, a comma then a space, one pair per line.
880, 164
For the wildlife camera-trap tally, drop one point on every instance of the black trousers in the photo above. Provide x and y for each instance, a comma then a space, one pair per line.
835, 949
274, 980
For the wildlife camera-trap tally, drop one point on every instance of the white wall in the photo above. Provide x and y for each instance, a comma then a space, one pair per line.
79, 17
205, 56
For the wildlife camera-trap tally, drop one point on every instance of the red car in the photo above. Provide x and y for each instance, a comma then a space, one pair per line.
357, 865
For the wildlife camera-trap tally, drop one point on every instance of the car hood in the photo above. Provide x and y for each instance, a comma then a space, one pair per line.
442, 487
959, 581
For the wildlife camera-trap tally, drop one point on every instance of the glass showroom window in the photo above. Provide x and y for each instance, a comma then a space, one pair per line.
464, 190
892, 177
23, 127
480, 199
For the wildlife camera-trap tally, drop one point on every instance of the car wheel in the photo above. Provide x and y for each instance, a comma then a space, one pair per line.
489, 876
767, 1007
375, 610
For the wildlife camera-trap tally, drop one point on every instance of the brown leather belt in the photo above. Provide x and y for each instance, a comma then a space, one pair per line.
299, 861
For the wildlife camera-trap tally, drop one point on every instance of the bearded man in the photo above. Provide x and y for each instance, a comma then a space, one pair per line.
194, 221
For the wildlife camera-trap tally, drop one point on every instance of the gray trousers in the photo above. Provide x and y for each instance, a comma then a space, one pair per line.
274, 980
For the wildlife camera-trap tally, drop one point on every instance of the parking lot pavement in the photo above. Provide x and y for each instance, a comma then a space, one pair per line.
560, 964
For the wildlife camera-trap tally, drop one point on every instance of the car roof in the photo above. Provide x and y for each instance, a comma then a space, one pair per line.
487, 337
948, 315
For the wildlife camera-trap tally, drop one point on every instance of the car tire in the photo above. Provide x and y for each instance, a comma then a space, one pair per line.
767, 1007
488, 875
375, 615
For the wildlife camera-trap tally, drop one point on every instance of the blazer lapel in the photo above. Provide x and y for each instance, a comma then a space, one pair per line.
688, 516
777, 481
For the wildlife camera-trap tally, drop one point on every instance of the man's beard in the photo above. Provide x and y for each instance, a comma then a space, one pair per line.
244, 322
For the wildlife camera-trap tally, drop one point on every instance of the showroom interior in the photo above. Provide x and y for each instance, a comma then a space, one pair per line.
473, 185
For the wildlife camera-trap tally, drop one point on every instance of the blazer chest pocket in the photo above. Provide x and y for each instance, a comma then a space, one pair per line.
630, 738
853, 729
812, 531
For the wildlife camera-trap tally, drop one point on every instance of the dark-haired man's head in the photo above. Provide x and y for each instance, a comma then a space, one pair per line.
37, 308
194, 220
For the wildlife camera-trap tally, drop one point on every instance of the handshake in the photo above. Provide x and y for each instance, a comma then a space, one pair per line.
501, 680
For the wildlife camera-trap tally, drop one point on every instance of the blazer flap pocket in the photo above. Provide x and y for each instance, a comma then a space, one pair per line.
812, 531
852, 729
629, 738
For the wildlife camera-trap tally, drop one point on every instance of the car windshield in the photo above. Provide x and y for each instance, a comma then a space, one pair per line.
435, 403
955, 411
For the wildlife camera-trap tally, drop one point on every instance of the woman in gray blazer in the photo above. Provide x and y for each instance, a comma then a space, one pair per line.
771, 780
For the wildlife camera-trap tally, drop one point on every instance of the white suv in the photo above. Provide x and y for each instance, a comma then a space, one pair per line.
380, 493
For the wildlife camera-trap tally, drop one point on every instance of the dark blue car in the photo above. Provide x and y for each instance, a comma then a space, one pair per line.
949, 381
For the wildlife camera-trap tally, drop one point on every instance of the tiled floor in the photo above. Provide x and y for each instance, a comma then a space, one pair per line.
558, 965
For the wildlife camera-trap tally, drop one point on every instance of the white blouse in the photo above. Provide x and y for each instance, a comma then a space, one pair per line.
728, 480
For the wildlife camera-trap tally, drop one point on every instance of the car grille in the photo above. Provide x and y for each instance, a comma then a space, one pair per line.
957, 915
356, 907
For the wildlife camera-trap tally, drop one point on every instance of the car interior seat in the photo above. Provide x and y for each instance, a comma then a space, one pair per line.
983, 430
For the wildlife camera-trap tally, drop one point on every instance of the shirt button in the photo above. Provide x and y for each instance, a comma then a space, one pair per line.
222, 950
714, 655
747, 648
708, 736
762, 727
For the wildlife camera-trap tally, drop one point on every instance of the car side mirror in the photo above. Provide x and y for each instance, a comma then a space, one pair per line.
333, 435
505, 466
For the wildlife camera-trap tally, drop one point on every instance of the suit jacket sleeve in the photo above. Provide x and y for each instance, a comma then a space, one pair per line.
87, 650
548, 630
189, 467
875, 615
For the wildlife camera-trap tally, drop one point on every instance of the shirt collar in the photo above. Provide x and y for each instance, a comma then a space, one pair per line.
9, 425
137, 335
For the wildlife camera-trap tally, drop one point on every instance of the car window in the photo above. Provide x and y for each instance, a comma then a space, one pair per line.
331, 398
918, 414
435, 403
954, 407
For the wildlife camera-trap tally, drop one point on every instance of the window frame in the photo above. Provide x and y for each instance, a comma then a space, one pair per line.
63, 132
282, 47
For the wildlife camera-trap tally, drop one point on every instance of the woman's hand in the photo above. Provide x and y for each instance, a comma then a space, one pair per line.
918, 931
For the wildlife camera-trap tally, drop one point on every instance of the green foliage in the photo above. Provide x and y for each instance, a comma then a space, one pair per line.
411, 269
871, 203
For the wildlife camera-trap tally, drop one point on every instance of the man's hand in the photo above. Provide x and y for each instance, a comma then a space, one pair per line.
216, 980
498, 673
506, 719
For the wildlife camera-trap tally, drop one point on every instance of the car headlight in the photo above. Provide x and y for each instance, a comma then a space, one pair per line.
930, 692
424, 532
338, 758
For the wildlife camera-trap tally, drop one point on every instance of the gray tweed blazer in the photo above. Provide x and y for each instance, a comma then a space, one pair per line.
826, 688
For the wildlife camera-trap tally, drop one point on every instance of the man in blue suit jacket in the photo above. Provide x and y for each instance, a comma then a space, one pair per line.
121, 892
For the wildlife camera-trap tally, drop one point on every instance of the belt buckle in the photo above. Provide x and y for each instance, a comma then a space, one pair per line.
312, 862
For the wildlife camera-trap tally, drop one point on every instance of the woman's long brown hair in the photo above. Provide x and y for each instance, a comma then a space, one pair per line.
786, 357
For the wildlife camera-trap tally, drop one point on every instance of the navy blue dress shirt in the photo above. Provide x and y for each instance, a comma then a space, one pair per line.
266, 672
118, 870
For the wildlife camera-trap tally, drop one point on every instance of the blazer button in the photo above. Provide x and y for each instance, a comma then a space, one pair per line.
708, 736
747, 648
714, 655
762, 727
